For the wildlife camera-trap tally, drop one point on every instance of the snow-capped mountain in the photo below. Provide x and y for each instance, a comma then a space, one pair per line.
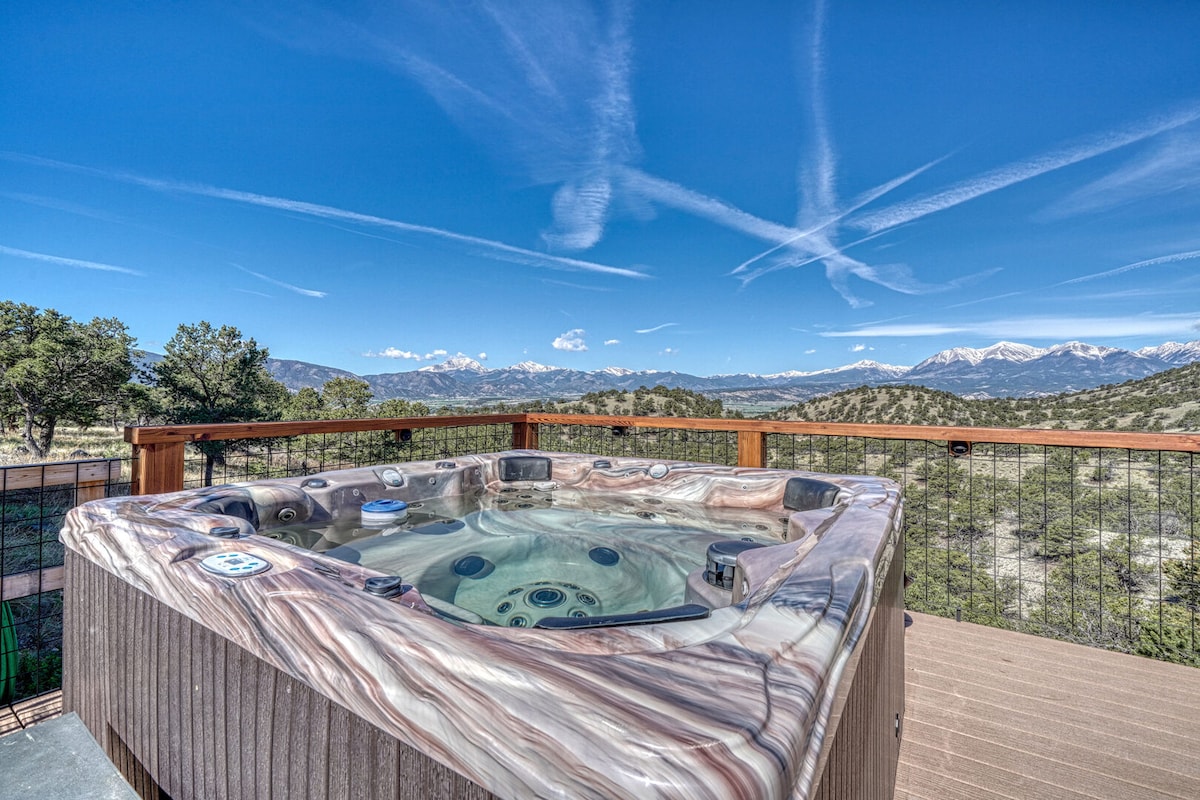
532, 366
1005, 369
1173, 353
884, 371
457, 364
1000, 351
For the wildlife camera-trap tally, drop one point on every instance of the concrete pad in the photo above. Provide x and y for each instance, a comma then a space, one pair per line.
58, 760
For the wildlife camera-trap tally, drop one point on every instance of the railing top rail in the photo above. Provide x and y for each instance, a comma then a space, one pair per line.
1128, 440
164, 434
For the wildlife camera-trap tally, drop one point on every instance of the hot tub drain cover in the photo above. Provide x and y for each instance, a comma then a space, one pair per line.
546, 597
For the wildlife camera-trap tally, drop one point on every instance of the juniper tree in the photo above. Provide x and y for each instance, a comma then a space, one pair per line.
214, 375
54, 369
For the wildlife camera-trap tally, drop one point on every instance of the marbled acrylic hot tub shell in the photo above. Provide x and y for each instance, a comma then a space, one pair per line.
740, 704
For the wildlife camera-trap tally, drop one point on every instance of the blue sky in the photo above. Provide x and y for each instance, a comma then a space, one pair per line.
707, 187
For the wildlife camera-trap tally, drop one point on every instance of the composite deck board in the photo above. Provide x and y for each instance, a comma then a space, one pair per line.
1139, 671
1072, 698
1000, 714
1122, 688
1167, 753
24, 713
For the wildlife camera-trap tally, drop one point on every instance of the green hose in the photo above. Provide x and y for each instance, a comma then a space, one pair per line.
8, 654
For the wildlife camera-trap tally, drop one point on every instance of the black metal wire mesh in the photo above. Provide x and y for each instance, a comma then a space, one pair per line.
211, 463
34, 499
1097, 546
711, 447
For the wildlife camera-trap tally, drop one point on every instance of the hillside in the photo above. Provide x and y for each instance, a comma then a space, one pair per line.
1166, 401
642, 402
1005, 369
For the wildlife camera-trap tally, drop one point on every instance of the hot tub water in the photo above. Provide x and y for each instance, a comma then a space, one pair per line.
517, 557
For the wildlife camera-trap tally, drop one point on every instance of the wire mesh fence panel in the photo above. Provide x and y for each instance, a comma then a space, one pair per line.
705, 446
34, 499
1092, 545
233, 461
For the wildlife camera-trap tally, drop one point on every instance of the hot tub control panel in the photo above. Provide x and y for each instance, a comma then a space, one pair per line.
235, 565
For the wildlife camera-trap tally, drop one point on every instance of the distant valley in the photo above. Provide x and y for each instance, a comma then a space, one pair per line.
1005, 369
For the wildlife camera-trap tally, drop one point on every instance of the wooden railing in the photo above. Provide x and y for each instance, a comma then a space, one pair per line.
159, 450
1092, 536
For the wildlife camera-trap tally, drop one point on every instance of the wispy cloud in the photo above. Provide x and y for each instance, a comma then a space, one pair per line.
1171, 166
829, 222
545, 87
537, 76
484, 247
569, 285
1052, 328
656, 327
818, 175
281, 284
62, 205
581, 205
675, 196
572, 341
804, 247
611, 342
67, 262
814, 239
990, 299
1027, 169
1137, 292
818, 208
1173, 291
1149, 262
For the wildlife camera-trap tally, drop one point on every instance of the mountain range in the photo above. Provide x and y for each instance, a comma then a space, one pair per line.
1005, 369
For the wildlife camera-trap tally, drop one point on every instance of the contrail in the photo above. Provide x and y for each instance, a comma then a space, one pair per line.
1037, 327
581, 205
67, 262
281, 284
1022, 171
491, 249
676, 196
862, 200
1187, 256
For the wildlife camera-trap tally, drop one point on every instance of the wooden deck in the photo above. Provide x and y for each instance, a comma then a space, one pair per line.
30, 712
994, 714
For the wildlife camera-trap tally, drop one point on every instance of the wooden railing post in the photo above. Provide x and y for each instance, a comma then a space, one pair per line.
752, 448
159, 468
525, 436
94, 478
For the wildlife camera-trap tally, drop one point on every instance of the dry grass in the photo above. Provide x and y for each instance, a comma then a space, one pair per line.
70, 444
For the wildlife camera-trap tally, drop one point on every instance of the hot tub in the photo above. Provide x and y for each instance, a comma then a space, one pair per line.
520, 624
